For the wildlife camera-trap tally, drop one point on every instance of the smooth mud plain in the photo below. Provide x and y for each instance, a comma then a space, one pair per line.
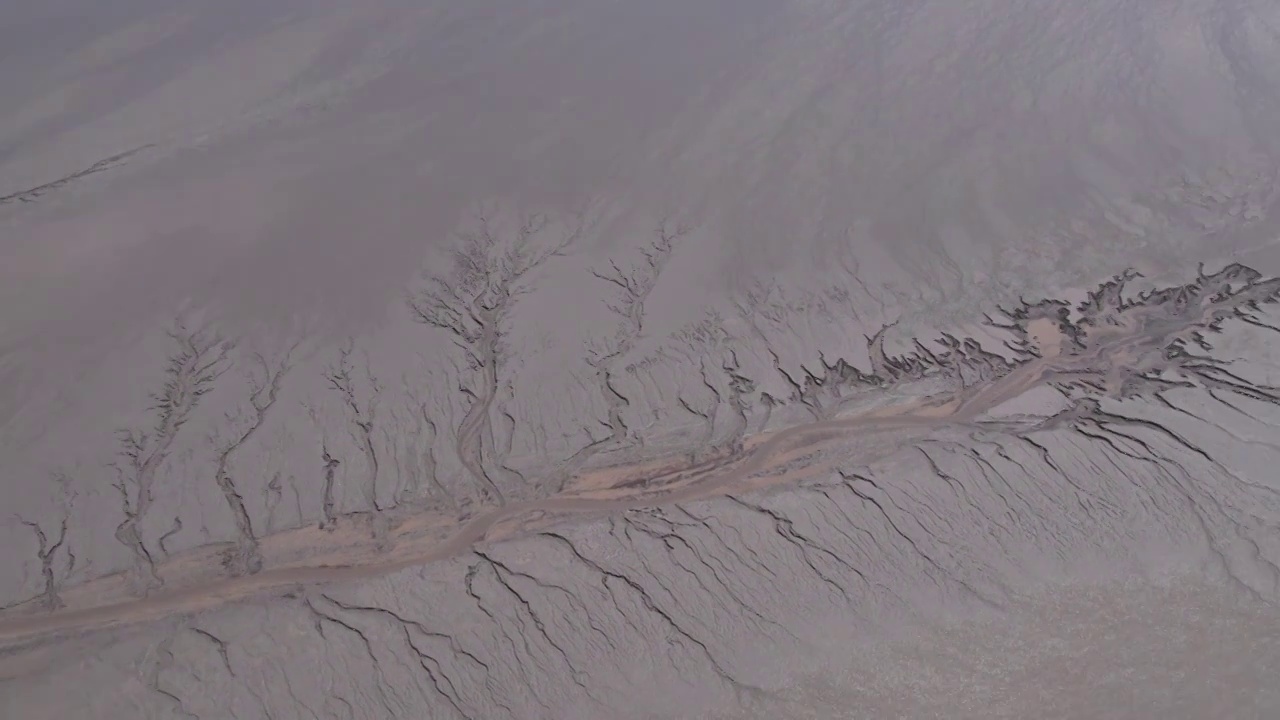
640, 360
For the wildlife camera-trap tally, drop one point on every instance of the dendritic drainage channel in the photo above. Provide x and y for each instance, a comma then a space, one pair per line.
1152, 463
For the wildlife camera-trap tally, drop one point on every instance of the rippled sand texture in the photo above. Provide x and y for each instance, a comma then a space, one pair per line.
653, 360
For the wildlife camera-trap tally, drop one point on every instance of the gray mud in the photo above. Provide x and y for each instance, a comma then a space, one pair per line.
640, 360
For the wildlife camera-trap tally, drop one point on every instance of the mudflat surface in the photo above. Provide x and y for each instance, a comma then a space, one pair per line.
653, 360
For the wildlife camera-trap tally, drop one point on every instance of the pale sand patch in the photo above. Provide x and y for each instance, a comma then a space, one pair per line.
1046, 336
